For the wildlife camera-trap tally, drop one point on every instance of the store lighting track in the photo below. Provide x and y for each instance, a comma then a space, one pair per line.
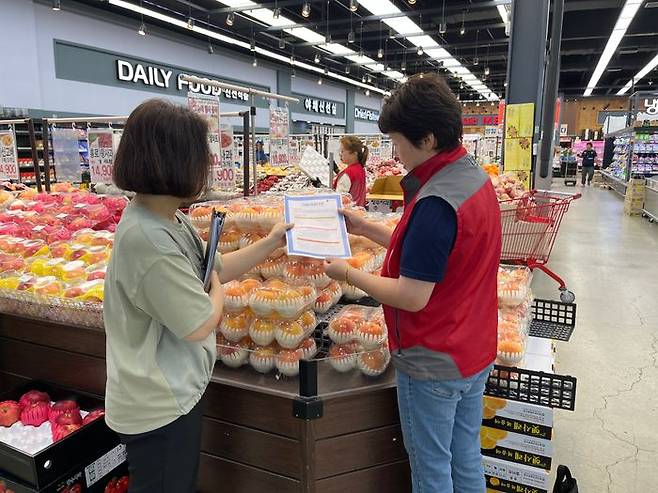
242, 44
267, 17
409, 29
621, 26
639, 76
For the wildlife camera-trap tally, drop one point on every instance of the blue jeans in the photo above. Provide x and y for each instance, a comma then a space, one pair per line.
441, 428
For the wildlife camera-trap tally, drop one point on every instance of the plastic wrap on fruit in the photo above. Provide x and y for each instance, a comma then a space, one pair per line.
90, 291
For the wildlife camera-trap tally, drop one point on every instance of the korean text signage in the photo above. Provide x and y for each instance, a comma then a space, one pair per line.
208, 106
97, 66
366, 114
319, 106
102, 146
8, 157
279, 130
479, 120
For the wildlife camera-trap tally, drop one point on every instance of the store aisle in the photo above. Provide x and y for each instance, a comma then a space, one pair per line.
611, 262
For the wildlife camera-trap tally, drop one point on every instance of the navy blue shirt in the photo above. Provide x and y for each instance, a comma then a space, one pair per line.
428, 240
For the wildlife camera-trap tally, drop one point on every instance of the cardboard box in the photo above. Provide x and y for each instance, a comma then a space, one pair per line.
89, 477
513, 478
517, 448
518, 417
386, 188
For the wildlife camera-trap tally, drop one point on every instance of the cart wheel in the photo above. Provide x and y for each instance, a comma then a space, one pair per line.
567, 296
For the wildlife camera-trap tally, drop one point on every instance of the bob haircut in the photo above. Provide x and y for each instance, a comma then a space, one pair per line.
422, 106
163, 151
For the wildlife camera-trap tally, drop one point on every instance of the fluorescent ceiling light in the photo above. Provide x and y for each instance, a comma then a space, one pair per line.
226, 39
267, 17
639, 76
407, 27
504, 15
625, 18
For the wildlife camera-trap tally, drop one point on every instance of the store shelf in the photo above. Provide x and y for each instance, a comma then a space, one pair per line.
616, 184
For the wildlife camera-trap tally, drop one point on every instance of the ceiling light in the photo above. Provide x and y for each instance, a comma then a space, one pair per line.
420, 51
505, 83
326, 71
421, 75
476, 61
255, 62
504, 15
640, 75
380, 53
230, 19
306, 10
625, 18
462, 30
347, 69
142, 29
403, 67
369, 79
252, 45
412, 2
493, 104
351, 37
443, 28
276, 13
486, 70
319, 81
293, 73
57, 5
190, 23
363, 79
391, 34
316, 59
461, 85
211, 50
367, 92
282, 43
477, 104
354, 5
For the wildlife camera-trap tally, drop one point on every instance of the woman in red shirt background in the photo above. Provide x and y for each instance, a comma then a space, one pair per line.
352, 179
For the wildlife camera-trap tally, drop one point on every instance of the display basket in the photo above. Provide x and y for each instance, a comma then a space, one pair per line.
529, 228
62, 310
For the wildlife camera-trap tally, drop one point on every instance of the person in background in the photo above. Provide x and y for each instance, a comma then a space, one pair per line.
261, 157
159, 322
352, 179
589, 156
438, 286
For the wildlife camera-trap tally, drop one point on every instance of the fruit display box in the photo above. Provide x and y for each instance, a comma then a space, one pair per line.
514, 447
518, 417
47, 465
108, 473
513, 478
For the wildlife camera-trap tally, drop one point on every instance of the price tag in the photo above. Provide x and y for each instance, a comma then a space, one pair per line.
101, 155
8, 156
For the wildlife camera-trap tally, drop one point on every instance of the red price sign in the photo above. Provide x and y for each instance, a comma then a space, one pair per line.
8, 157
101, 155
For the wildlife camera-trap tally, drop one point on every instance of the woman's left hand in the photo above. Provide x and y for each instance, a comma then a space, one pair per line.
277, 236
336, 268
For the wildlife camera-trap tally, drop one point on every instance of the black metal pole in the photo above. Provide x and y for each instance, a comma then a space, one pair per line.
245, 151
551, 86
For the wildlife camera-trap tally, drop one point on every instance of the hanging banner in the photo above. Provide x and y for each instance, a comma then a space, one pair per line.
66, 154
374, 145
102, 146
208, 108
8, 156
279, 153
279, 123
225, 177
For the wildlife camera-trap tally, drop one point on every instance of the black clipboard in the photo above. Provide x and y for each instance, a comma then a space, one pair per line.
215, 231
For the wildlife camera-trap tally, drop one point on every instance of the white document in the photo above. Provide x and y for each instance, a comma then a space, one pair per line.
320, 230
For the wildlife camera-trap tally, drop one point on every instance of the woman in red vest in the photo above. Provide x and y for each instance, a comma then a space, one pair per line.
438, 286
352, 179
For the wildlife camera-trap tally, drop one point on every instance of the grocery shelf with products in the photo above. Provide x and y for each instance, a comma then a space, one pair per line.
650, 207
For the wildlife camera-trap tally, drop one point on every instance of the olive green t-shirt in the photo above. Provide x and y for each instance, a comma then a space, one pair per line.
154, 298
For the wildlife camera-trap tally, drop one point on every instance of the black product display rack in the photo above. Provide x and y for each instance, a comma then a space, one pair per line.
553, 320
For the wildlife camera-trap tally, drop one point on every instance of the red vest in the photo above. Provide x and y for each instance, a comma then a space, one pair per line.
357, 176
454, 336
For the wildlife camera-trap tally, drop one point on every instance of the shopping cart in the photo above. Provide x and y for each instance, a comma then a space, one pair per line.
529, 228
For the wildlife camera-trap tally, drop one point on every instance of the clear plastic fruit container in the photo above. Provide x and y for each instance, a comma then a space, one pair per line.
283, 299
305, 269
513, 285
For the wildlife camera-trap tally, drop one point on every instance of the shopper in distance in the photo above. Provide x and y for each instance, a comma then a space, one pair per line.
159, 322
589, 157
438, 286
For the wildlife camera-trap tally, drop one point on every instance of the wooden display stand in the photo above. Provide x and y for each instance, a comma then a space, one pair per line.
347, 439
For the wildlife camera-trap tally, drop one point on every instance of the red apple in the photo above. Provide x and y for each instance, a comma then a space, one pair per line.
62, 431
35, 414
60, 408
33, 396
10, 412
93, 416
122, 485
71, 417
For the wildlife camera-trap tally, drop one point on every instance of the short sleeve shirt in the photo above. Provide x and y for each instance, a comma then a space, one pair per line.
154, 298
428, 240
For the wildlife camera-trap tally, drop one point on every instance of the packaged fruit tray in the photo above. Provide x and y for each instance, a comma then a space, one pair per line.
26, 415
513, 285
61, 310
